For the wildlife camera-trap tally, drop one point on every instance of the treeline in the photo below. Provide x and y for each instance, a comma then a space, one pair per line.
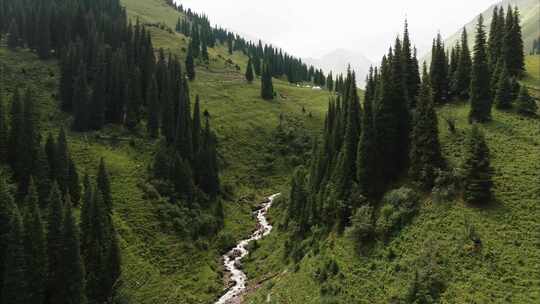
536, 47
43, 256
277, 62
367, 150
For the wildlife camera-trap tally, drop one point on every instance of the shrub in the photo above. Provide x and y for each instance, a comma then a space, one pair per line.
399, 207
447, 185
225, 241
362, 230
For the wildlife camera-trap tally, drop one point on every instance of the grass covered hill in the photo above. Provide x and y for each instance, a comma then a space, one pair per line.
505, 269
159, 265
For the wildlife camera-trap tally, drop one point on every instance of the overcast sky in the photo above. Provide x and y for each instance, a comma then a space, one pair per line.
310, 28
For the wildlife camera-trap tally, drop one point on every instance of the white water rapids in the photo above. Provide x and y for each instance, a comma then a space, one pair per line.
232, 259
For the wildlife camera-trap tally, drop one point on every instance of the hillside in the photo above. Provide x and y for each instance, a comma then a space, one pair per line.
159, 265
504, 271
530, 14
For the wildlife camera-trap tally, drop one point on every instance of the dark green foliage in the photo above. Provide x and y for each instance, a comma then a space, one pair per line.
190, 63
43, 177
399, 207
13, 40
267, 88
104, 185
497, 35
425, 152
153, 109
526, 105
55, 247
480, 96
16, 129
61, 162
208, 169
15, 289
35, 248
197, 128
503, 94
249, 72
411, 74
362, 230
477, 169
44, 36
514, 55
4, 128
439, 78
74, 185
74, 284
81, 100
463, 70
6, 211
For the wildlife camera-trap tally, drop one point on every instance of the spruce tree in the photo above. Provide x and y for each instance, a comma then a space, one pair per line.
74, 185
74, 284
480, 96
153, 109
55, 247
526, 105
267, 87
195, 41
514, 55
86, 208
13, 39
477, 169
16, 129
81, 95
6, 214
197, 128
439, 79
97, 110
463, 70
425, 152
190, 63
43, 177
496, 37
503, 95
249, 72
35, 247
50, 151
61, 163
104, 185
15, 280
44, 35
4, 129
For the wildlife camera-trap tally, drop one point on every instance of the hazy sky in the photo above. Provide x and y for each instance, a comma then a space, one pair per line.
312, 28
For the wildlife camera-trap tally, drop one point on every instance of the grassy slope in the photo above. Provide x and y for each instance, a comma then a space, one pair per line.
507, 270
160, 267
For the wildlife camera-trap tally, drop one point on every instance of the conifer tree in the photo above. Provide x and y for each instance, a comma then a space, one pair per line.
514, 55
4, 129
61, 163
425, 152
81, 100
74, 284
256, 62
208, 173
439, 79
267, 88
50, 151
74, 185
104, 185
55, 247
135, 102
195, 41
35, 247
13, 40
204, 51
44, 35
249, 72
190, 63
97, 110
525, 103
15, 281
16, 129
496, 37
480, 96
153, 109
503, 95
477, 169
6, 214
410, 67
463, 70
43, 177
367, 150
197, 128
86, 208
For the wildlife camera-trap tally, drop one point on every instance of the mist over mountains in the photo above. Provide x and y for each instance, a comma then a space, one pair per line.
338, 61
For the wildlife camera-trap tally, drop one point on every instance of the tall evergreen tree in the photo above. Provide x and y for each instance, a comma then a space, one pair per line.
55, 248
74, 185
249, 72
81, 95
267, 87
496, 37
195, 41
61, 163
514, 55
35, 248
197, 128
4, 129
13, 40
480, 96
190, 63
463, 70
503, 95
6, 214
153, 109
74, 284
44, 36
439, 79
16, 129
15, 281
526, 105
104, 185
477, 169
425, 152
410, 67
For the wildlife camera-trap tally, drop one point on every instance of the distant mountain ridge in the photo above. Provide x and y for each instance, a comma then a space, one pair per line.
338, 61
